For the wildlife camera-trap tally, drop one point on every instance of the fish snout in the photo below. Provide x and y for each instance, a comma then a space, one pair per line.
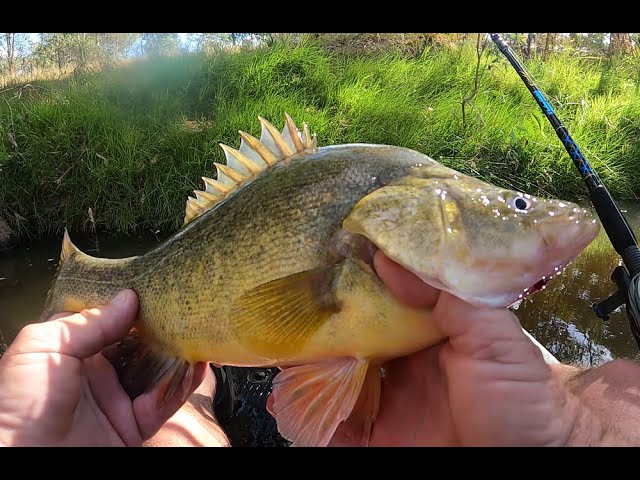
569, 229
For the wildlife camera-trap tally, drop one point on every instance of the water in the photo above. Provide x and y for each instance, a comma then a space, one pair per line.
560, 317
26, 273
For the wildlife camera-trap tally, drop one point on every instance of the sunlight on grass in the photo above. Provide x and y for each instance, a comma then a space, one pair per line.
132, 142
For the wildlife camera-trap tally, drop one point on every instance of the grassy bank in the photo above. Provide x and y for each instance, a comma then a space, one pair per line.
132, 142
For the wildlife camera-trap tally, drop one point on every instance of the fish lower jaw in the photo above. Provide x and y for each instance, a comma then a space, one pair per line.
541, 283
504, 298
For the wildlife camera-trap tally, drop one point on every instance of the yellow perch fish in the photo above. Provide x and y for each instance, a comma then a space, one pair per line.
273, 267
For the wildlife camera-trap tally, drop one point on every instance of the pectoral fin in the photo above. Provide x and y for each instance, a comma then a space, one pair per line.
310, 401
276, 318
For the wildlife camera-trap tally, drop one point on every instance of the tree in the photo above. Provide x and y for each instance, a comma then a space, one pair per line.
549, 44
10, 39
237, 38
531, 45
207, 42
157, 44
619, 43
116, 46
591, 43
55, 49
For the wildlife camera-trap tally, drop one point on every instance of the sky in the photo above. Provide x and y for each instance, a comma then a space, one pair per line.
34, 37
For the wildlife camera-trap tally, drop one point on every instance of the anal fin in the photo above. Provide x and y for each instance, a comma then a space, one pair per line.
356, 430
141, 366
310, 401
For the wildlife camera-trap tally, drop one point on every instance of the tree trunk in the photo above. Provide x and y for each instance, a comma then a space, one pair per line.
11, 42
531, 45
233, 39
548, 44
619, 43
59, 57
82, 55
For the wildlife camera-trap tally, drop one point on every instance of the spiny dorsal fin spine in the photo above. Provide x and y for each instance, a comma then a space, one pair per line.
251, 159
294, 135
235, 159
246, 149
206, 197
228, 175
306, 137
259, 147
215, 187
193, 210
276, 137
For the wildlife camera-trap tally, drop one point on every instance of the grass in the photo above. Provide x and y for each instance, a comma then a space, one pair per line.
130, 143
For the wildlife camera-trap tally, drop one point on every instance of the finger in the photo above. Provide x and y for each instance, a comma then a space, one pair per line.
150, 417
81, 334
481, 332
112, 399
406, 286
59, 315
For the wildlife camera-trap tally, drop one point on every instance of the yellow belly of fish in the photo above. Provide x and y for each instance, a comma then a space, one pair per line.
355, 332
370, 324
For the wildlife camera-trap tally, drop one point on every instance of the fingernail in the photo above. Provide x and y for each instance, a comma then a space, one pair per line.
120, 299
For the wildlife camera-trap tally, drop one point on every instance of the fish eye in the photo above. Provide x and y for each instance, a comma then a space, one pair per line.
520, 203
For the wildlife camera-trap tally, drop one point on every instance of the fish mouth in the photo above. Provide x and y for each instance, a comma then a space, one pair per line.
537, 286
570, 246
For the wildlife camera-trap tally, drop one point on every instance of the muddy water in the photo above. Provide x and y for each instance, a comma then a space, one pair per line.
560, 317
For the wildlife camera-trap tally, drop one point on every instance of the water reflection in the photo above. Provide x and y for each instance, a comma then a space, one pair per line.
560, 317
26, 274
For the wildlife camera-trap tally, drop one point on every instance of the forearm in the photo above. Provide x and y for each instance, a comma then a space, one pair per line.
603, 413
589, 429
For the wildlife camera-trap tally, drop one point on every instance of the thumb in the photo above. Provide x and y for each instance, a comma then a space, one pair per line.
81, 334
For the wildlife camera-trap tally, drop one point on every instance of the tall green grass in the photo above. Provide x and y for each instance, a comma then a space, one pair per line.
131, 143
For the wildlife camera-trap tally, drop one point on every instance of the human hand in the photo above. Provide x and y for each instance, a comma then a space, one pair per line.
57, 389
487, 384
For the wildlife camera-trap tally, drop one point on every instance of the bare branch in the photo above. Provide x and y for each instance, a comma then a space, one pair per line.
480, 48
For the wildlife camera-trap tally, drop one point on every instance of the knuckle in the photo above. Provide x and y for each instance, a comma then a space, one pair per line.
29, 331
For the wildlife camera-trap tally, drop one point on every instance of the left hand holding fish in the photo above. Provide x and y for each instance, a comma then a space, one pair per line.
487, 384
57, 389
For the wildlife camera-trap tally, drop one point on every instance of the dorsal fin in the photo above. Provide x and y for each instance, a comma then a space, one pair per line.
250, 160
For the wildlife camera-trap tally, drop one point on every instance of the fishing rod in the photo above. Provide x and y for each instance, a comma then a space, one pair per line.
615, 224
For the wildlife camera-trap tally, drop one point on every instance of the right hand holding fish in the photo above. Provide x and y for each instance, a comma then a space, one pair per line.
57, 389
487, 384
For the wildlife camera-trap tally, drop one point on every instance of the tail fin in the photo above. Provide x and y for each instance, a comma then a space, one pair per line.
82, 281
140, 362
68, 248
141, 366
68, 251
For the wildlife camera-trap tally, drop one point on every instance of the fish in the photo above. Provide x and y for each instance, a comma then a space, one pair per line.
273, 268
